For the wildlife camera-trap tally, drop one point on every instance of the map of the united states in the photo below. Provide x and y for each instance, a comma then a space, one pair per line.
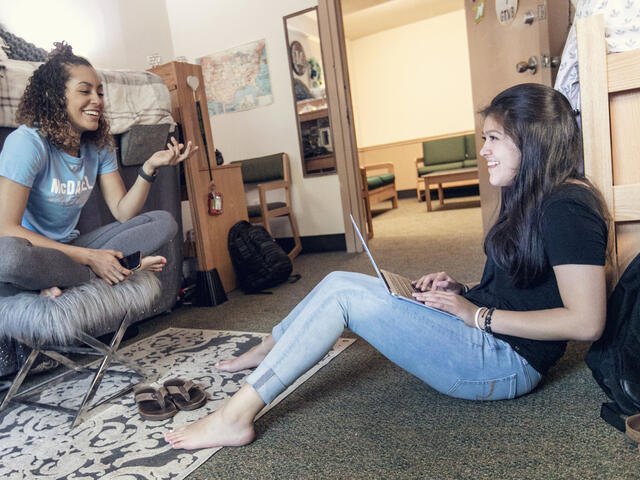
237, 79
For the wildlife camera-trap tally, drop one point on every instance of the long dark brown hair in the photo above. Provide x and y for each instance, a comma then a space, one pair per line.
541, 123
44, 105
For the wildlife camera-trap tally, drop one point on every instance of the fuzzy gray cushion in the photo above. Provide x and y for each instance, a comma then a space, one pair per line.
95, 308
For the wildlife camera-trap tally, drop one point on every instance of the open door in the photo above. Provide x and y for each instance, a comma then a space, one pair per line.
341, 117
510, 42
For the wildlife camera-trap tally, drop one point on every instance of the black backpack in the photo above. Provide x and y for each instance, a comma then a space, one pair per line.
259, 262
614, 359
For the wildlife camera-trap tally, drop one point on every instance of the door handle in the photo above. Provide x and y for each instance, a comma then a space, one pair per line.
532, 65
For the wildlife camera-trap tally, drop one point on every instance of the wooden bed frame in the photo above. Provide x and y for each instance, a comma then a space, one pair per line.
610, 106
210, 231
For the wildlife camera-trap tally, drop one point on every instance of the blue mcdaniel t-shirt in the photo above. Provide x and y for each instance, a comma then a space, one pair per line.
60, 183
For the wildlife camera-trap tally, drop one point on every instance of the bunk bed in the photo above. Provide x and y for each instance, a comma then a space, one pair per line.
610, 110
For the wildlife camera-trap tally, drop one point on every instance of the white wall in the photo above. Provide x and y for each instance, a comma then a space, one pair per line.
112, 34
412, 81
202, 27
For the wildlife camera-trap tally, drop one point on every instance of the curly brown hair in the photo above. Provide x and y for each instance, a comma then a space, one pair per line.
44, 103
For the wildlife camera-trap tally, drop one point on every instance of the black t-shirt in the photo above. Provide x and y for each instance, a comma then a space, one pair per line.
573, 232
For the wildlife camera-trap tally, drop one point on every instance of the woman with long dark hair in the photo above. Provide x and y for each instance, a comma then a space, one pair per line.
48, 169
543, 284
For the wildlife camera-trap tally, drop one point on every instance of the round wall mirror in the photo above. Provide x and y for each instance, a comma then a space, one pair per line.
298, 58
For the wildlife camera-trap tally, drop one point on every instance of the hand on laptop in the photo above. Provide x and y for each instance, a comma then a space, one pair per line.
450, 302
439, 290
438, 281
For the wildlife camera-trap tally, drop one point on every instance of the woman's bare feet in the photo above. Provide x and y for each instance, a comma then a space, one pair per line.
153, 264
53, 292
250, 359
230, 426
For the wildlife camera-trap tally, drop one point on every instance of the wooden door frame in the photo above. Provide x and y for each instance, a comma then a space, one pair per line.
338, 89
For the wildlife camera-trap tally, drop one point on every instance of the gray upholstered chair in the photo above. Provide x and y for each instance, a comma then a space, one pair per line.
52, 327
271, 173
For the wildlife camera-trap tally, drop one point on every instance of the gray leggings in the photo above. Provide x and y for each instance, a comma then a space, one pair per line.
24, 266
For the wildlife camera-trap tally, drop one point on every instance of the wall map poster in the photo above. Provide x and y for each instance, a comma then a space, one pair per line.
237, 79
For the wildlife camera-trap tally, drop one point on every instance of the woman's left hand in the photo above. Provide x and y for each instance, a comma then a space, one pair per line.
449, 302
171, 156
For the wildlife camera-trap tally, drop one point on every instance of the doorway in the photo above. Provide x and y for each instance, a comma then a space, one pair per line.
406, 88
479, 24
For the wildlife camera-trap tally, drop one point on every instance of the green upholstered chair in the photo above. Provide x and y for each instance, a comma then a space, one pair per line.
445, 154
470, 160
270, 173
378, 184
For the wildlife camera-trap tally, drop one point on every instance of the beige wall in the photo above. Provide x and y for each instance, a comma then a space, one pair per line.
412, 81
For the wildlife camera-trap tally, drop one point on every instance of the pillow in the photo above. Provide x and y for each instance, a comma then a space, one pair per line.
142, 141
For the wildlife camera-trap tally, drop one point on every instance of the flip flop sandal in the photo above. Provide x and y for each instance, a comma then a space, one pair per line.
186, 394
154, 404
633, 428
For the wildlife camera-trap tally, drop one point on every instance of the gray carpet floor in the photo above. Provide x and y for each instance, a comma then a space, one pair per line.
363, 417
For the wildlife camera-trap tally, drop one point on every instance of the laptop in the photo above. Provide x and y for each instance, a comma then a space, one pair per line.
396, 285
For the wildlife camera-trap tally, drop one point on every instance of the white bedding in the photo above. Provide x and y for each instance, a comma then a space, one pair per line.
132, 97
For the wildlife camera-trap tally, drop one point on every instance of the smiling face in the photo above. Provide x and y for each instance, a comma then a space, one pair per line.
502, 155
84, 94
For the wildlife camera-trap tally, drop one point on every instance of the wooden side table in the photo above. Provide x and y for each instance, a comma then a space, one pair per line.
446, 176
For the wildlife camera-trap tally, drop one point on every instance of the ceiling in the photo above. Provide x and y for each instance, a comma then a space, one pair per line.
366, 17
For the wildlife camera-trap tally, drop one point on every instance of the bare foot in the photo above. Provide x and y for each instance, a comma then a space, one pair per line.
211, 431
153, 264
250, 359
230, 426
53, 292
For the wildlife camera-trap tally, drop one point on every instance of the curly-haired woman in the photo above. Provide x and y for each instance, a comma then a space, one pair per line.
48, 168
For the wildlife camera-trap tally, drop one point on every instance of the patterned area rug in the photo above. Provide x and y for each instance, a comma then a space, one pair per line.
116, 443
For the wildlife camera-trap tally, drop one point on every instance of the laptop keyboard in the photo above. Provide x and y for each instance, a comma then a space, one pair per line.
398, 284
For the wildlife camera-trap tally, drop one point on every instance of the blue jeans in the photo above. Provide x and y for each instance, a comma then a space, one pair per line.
442, 351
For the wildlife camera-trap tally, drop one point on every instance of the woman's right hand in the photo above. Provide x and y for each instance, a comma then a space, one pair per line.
438, 281
105, 264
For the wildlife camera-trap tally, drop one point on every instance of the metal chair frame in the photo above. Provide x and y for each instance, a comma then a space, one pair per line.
109, 355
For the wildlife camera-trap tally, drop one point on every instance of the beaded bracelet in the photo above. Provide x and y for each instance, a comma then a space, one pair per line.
487, 320
476, 317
